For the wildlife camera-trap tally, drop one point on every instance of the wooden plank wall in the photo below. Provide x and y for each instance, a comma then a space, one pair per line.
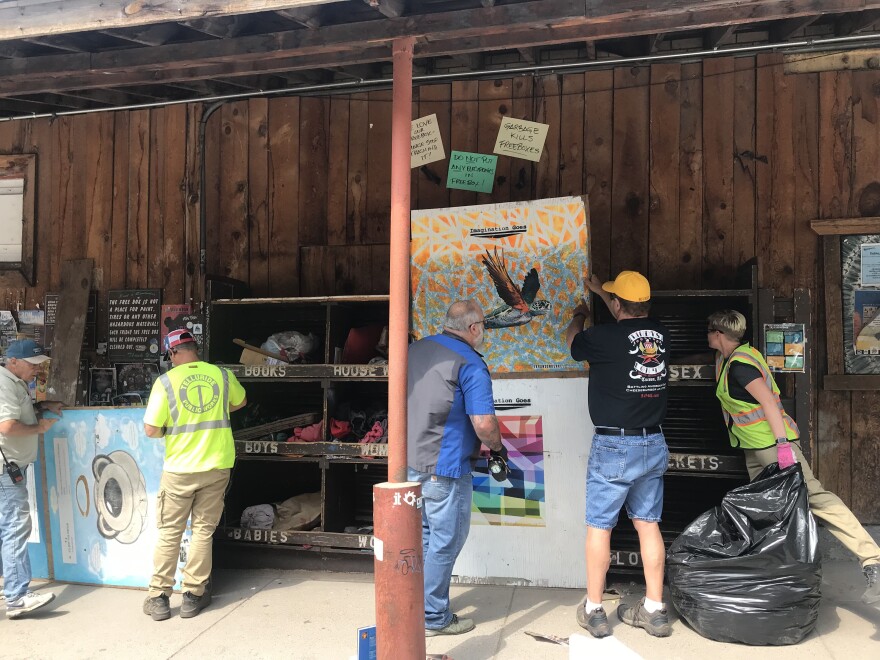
691, 169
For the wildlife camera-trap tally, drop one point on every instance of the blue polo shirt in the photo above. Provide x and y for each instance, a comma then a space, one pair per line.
447, 380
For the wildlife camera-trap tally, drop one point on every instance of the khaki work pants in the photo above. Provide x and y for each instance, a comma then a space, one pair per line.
198, 495
824, 504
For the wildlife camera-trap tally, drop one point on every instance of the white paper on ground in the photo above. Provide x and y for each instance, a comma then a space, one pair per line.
587, 647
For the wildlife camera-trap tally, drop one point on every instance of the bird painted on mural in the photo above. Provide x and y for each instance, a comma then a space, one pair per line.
520, 304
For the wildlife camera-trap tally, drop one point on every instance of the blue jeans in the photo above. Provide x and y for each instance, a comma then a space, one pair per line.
15, 528
625, 470
446, 521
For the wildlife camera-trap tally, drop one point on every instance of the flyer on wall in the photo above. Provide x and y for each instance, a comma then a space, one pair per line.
866, 321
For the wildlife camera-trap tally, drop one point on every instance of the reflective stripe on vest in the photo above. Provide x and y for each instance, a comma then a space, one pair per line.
223, 423
748, 418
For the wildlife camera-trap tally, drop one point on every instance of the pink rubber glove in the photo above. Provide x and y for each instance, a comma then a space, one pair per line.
785, 455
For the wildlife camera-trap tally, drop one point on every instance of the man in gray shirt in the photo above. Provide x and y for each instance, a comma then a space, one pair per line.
450, 412
19, 430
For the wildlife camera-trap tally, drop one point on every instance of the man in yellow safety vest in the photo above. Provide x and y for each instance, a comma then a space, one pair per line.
189, 406
757, 422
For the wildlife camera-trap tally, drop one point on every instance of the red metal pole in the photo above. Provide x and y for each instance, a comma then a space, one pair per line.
398, 322
397, 515
400, 580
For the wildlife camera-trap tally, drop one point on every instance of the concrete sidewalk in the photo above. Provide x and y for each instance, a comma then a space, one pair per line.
304, 615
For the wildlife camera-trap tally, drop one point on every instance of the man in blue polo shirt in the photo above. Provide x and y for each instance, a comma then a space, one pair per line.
450, 412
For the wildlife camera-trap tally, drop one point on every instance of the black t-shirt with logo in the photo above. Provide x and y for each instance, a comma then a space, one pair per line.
628, 371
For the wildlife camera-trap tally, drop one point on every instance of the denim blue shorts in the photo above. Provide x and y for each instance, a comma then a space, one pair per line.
625, 470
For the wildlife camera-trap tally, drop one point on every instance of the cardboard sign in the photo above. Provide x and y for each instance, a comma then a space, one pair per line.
426, 145
133, 327
469, 171
521, 139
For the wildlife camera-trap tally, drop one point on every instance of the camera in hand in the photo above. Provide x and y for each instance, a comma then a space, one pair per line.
498, 467
14, 472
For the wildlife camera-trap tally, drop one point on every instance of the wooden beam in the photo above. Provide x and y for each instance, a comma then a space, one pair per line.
654, 42
63, 16
784, 30
852, 382
843, 226
502, 27
57, 43
150, 35
865, 58
219, 28
310, 17
856, 22
718, 36
529, 55
388, 8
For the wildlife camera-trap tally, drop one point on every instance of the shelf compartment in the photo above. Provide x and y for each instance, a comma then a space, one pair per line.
267, 482
348, 495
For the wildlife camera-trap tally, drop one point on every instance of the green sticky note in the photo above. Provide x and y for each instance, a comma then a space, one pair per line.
469, 171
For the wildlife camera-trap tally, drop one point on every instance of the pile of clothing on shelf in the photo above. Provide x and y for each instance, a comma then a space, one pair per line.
300, 512
362, 426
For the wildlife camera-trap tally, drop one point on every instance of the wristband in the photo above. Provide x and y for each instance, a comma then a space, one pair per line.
779, 441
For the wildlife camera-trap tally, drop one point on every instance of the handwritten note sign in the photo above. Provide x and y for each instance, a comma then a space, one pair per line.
521, 139
469, 171
426, 145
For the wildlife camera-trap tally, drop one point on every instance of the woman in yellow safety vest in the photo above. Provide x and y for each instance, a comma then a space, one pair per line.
757, 422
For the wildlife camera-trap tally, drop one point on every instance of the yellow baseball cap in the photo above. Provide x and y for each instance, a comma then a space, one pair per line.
629, 285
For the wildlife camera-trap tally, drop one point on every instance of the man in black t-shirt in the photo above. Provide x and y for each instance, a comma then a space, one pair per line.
628, 457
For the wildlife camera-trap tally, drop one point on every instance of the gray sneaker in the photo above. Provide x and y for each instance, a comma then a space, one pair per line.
455, 627
596, 622
872, 577
655, 623
27, 603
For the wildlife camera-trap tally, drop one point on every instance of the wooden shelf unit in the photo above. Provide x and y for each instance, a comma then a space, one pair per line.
271, 469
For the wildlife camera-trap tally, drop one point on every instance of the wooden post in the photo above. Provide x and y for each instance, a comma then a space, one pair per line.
397, 515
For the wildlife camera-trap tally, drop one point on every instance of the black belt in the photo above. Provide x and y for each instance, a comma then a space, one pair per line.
614, 430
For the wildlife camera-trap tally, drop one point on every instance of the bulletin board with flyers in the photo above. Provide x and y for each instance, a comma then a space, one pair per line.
860, 290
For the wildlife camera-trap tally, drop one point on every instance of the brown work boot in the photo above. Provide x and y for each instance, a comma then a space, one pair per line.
655, 623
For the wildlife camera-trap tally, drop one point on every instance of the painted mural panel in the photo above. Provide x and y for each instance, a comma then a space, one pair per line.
519, 500
103, 475
524, 262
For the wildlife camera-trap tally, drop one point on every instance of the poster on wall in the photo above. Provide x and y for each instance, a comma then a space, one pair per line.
103, 475
133, 331
519, 500
870, 264
786, 346
861, 303
866, 321
524, 262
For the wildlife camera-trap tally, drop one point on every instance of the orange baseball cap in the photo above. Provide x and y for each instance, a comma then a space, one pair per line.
629, 285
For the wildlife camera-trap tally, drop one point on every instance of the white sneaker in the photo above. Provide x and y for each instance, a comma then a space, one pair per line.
27, 603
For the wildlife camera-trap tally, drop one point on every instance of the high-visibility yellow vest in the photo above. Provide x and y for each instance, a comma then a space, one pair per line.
192, 400
747, 424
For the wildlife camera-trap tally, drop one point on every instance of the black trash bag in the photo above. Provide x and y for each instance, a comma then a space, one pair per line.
748, 571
